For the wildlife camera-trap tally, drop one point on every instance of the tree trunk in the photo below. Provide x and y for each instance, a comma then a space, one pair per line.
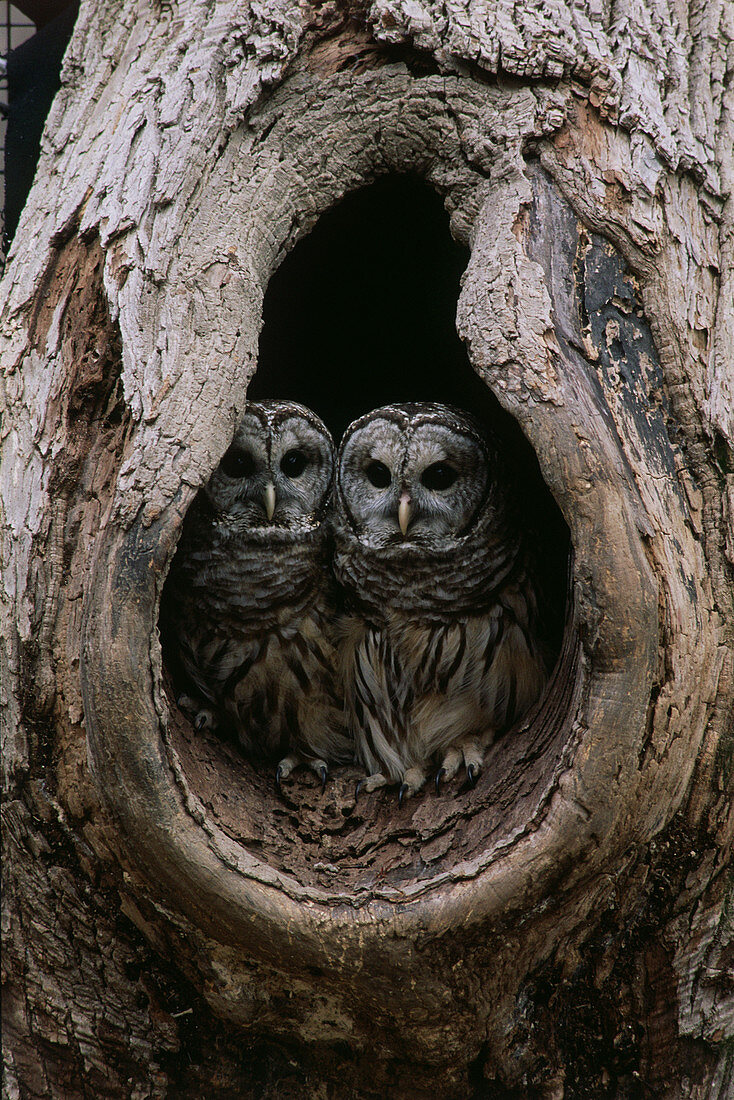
174, 926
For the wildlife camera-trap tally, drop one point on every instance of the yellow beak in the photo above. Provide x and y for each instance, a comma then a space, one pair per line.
405, 512
269, 499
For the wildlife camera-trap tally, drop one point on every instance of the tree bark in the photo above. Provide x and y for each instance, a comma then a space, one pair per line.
173, 927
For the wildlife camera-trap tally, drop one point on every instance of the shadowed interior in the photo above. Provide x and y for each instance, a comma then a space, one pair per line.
361, 313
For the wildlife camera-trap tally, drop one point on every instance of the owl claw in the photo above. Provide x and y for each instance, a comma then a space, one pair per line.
401, 793
202, 718
439, 776
358, 788
323, 773
472, 774
278, 777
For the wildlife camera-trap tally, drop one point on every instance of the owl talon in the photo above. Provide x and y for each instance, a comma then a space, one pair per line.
472, 774
439, 776
401, 793
201, 717
278, 777
323, 773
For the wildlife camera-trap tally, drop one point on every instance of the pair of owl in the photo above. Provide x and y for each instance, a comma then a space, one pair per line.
375, 606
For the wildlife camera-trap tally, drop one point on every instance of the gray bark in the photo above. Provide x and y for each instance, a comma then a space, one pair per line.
562, 929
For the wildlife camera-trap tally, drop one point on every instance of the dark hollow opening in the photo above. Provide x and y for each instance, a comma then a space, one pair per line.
359, 314
362, 313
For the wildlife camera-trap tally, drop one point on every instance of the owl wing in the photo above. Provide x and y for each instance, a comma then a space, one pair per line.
377, 695
451, 700
212, 657
476, 677
320, 732
278, 692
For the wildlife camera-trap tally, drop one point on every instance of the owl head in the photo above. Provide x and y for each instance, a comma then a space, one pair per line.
412, 475
277, 472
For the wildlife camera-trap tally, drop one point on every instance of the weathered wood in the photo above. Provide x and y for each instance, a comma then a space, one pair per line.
562, 925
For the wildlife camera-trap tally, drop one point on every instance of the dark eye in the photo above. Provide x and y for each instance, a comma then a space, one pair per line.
293, 463
439, 476
378, 475
238, 463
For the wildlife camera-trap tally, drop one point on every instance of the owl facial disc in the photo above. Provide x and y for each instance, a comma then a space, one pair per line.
278, 470
412, 475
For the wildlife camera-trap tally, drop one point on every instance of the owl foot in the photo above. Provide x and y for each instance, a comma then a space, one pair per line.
469, 754
321, 769
413, 780
450, 765
288, 763
473, 757
370, 783
284, 769
203, 717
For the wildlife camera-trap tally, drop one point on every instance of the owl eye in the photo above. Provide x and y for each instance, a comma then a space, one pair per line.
293, 463
439, 476
238, 463
378, 475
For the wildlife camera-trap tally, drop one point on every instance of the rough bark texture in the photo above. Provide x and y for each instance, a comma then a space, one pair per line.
172, 927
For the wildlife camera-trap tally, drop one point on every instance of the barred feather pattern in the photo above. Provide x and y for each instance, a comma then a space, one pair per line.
256, 638
414, 689
439, 650
251, 609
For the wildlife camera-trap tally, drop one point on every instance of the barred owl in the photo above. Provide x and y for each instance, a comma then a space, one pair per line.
249, 596
440, 651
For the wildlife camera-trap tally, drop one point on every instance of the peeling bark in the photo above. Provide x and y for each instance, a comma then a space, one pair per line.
562, 929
